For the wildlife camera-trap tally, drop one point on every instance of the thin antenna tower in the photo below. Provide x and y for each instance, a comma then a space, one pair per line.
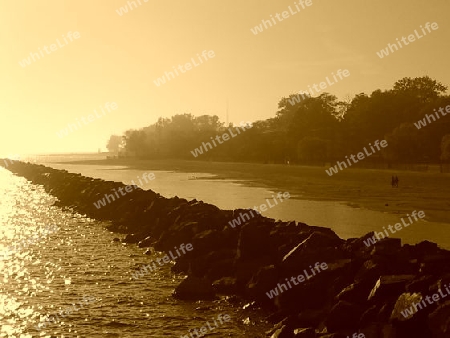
227, 113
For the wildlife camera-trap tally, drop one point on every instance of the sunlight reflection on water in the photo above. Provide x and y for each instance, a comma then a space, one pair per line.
50, 271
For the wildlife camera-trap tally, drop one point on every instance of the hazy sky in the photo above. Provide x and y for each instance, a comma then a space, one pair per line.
117, 58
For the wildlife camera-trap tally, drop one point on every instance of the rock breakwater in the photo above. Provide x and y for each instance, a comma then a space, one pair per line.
363, 289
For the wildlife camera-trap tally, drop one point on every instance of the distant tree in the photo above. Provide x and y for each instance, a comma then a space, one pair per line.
423, 88
114, 143
318, 128
313, 148
404, 144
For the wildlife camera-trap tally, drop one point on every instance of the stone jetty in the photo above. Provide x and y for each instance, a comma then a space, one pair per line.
386, 290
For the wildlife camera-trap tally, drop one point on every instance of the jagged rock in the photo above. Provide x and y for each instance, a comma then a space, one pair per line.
387, 246
283, 332
284, 328
194, 288
133, 238
182, 265
356, 293
408, 322
179, 232
355, 248
225, 286
214, 265
254, 241
369, 272
420, 284
435, 264
208, 241
311, 318
318, 247
146, 242
277, 326
253, 257
390, 286
422, 249
317, 291
263, 281
343, 316
246, 269
404, 302
305, 333
439, 321
222, 268
372, 330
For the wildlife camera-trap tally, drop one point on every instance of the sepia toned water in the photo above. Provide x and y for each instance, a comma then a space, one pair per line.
346, 221
46, 272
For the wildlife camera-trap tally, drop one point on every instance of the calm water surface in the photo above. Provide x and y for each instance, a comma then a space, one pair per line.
48, 272
344, 220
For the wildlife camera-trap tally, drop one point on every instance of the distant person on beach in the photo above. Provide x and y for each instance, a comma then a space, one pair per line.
393, 181
396, 181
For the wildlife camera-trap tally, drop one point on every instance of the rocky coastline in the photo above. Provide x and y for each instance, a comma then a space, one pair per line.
363, 291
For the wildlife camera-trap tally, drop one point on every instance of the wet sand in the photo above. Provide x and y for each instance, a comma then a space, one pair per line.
367, 188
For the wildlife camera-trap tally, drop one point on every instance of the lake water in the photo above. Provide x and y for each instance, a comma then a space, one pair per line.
346, 221
80, 269
51, 272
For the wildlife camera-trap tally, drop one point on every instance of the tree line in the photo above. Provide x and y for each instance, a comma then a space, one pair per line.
311, 130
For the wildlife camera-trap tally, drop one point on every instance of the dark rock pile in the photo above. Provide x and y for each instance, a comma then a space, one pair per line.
364, 290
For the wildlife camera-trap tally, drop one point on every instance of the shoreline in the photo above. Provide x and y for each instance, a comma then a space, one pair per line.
248, 261
359, 188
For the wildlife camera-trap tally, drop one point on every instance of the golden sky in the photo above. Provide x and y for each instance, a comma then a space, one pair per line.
116, 59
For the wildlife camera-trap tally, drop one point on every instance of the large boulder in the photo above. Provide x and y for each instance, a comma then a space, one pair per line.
318, 247
194, 288
356, 293
305, 333
262, 283
439, 321
389, 287
225, 286
343, 316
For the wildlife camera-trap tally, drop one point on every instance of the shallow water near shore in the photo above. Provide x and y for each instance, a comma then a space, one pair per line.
51, 272
346, 221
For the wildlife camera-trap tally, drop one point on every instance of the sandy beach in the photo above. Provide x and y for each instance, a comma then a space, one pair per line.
366, 188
